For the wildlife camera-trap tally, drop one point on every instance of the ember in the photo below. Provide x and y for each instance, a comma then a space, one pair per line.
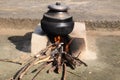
57, 39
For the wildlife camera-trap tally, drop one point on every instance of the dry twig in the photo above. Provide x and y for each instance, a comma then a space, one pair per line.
11, 61
56, 56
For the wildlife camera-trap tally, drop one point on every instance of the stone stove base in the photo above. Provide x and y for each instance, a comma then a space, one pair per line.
40, 40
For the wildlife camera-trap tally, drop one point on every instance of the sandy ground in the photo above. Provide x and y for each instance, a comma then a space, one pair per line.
103, 60
80, 9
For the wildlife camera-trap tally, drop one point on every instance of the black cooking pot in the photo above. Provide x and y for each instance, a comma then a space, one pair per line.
57, 21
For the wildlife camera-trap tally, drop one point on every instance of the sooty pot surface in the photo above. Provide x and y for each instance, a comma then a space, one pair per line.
57, 20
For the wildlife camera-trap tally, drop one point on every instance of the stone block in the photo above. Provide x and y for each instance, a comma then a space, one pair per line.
38, 41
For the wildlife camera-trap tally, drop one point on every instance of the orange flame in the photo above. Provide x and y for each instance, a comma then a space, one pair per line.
57, 39
67, 45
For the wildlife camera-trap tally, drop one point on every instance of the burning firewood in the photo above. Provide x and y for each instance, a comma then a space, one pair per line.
53, 55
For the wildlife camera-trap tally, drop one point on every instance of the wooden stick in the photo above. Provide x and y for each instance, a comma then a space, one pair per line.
32, 61
30, 65
40, 69
23, 70
64, 72
51, 69
16, 76
42, 60
11, 61
78, 55
67, 46
80, 61
74, 74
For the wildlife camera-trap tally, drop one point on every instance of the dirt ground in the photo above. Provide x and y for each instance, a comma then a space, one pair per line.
18, 19
103, 60
81, 9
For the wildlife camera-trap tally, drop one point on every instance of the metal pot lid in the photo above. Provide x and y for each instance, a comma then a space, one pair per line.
58, 7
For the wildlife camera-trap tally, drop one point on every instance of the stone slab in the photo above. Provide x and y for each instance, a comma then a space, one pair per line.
38, 40
79, 30
78, 44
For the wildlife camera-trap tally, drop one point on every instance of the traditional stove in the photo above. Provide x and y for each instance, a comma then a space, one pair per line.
64, 47
58, 23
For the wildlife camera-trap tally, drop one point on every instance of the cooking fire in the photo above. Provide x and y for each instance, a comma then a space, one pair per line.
57, 24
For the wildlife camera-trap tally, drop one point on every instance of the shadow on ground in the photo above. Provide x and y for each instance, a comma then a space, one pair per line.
22, 43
